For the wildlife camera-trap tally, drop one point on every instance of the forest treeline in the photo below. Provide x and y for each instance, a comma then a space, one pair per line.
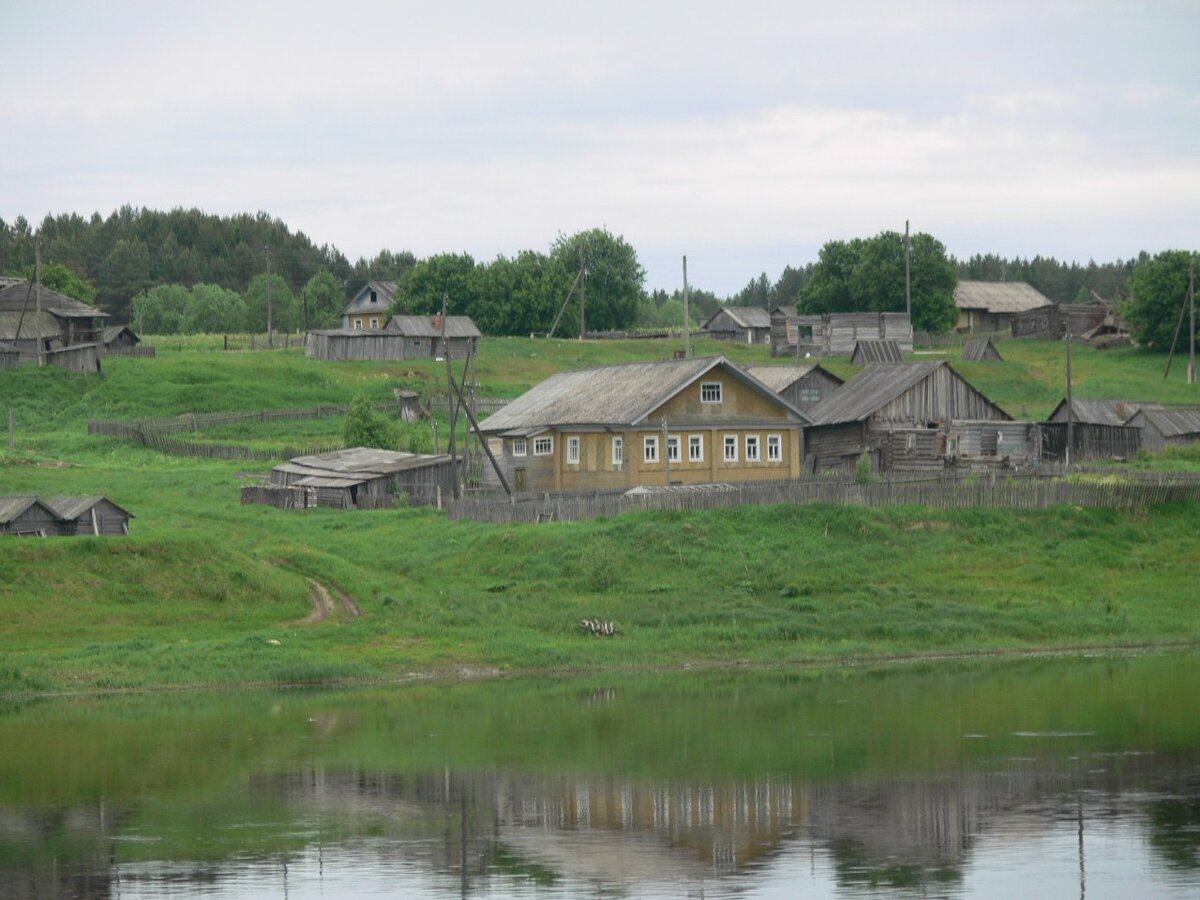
185, 270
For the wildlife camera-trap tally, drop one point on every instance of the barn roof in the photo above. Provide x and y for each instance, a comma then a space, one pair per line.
431, 326
977, 350
112, 332
355, 465
780, 378
621, 394
385, 292
18, 296
998, 296
743, 316
12, 508
1173, 422
887, 351
72, 507
789, 311
1096, 412
875, 387
9, 321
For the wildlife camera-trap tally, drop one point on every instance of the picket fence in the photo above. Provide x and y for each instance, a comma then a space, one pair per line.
944, 491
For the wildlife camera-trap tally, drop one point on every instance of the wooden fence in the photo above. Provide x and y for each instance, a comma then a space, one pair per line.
1014, 491
140, 350
484, 406
201, 421
181, 447
956, 338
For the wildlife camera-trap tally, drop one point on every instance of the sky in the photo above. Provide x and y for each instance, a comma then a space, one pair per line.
742, 135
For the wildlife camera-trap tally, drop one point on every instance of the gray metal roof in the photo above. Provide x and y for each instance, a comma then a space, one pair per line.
72, 507
744, 316
780, 378
363, 462
887, 351
873, 388
385, 292
998, 296
12, 507
18, 296
621, 394
431, 326
1173, 422
1096, 412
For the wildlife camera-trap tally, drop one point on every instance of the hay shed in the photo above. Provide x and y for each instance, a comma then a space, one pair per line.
982, 350
28, 516
90, 515
367, 478
866, 352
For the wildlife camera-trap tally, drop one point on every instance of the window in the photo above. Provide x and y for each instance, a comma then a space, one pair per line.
672, 449
374, 323
618, 450
752, 448
774, 448
910, 442
358, 324
650, 449
573, 451
543, 446
710, 392
518, 446
696, 448
809, 394
374, 297
731, 448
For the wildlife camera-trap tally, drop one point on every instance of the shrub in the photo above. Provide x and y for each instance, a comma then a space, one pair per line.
367, 428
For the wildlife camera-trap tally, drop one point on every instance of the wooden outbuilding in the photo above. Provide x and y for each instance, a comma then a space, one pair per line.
1163, 428
679, 421
368, 310
92, 515
835, 334
28, 516
992, 305
899, 414
744, 324
981, 350
117, 337
867, 352
10, 356
63, 322
802, 386
367, 478
1099, 429
405, 337
1059, 319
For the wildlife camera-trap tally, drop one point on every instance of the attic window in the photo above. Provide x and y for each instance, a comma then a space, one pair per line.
710, 392
374, 297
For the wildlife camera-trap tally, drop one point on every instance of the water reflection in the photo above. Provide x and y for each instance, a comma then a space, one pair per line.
316, 796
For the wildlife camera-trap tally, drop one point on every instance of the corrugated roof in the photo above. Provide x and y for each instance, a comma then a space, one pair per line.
385, 292
887, 351
621, 394
998, 296
18, 296
1174, 422
744, 316
780, 378
431, 326
72, 507
12, 507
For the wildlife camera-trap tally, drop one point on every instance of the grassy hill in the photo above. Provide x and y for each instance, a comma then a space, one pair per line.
206, 591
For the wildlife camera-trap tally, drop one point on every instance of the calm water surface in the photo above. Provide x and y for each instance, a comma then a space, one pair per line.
1049, 778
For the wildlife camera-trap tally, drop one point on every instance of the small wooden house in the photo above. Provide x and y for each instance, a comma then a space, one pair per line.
1059, 319
981, 350
368, 310
423, 336
118, 337
802, 386
992, 305
28, 516
1163, 428
680, 421
835, 334
90, 515
64, 321
1099, 429
366, 478
899, 414
744, 324
867, 352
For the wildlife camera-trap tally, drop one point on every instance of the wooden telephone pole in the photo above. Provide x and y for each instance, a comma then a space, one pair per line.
582, 291
907, 275
687, 321
1192, 316
1070, 404
270, 338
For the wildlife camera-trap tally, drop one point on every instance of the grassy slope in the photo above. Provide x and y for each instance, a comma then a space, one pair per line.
203, 585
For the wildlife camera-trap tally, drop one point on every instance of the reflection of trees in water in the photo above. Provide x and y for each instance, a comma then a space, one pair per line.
1174, 825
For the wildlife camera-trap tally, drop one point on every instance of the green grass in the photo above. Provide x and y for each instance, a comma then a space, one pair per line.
206, 591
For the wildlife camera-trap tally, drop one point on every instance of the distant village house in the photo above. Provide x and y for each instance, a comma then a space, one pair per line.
744, 324
835, 334
992, 305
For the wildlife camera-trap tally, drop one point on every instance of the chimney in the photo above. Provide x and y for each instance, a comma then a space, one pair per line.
437, 322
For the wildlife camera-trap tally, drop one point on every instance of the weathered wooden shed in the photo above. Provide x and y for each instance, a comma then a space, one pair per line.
835, 334
28, 516
802, 386
347, 343
364, 477
992, 305
423, 336
94, 515
117, 337
916, 400
867, 352
81, 358
1099, 430
1058, 319
10, 356
981, 350
64, 321
745, 324
1163, 428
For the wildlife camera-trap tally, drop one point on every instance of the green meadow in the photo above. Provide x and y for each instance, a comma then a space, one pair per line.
207, 592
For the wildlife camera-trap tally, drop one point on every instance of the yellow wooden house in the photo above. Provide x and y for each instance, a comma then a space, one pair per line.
686, 421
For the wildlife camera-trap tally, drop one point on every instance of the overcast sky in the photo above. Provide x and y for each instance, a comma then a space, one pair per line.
744, 135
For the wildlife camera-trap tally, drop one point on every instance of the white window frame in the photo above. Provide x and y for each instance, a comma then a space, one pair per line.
543, 446
810, 395
374, 323
774, 448
752, 440
673, 448
731, 444
573, 451
618, 450
650, 448
358, 325
519, 447
711, 387
695, 448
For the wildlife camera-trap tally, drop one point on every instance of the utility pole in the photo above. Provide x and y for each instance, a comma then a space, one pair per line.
451, 394
666, 449
12, 432
1070, 403
907, 274
687, 321
1192, 315
37, 299
270, 338
582, 289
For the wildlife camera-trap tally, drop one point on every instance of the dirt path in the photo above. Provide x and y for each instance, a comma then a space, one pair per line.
353, 610
322, 603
